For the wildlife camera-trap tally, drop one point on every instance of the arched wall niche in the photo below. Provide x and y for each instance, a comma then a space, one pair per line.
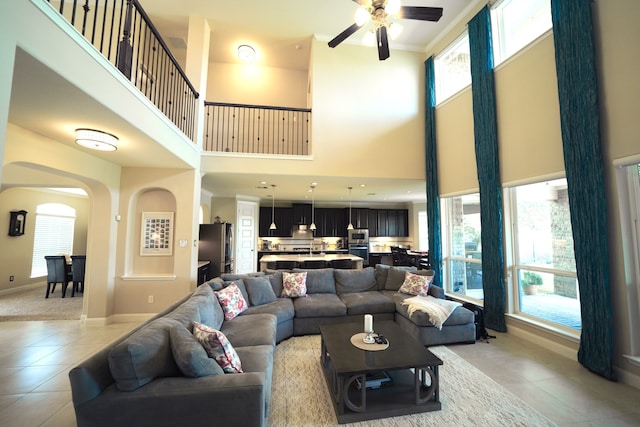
157, 200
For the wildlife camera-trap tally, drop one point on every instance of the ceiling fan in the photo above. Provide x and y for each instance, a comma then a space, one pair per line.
379, 11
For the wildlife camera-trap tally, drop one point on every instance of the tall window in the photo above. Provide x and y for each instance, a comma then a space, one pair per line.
452, 69
544, 262
462, 251
53, 236
628, 181
516, 23
423, 231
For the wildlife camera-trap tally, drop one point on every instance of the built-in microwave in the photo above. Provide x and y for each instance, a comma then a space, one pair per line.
358, 235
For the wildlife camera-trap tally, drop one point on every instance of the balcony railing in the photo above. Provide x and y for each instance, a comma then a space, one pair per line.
258, 129
122, 31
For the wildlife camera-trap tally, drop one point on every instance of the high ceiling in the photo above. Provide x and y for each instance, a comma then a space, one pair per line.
281, 31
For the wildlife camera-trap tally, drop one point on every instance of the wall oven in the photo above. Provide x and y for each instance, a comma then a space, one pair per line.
358, 241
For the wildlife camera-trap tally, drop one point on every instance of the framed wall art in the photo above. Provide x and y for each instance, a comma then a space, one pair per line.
156, 234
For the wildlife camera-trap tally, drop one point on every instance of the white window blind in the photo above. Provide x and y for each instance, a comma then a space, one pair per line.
53, 235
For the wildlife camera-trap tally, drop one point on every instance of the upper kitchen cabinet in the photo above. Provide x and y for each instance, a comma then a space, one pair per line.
281, 216
330, 222
388, 223
301, 213
359, 217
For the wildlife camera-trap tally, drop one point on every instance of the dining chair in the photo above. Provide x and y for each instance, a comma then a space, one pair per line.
57, 272
78, 263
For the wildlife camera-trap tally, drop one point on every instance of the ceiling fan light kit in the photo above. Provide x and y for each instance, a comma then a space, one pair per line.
381, 12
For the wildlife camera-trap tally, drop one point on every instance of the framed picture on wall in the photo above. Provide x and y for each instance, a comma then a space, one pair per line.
156, 234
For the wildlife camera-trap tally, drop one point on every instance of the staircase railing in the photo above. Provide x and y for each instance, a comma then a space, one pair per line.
259, 129
122, 31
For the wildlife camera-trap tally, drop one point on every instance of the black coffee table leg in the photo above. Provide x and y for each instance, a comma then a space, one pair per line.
427, 391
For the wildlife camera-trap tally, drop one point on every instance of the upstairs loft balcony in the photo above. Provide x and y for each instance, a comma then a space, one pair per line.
124, 34
256, 129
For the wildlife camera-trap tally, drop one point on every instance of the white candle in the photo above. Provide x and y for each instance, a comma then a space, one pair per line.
368, 323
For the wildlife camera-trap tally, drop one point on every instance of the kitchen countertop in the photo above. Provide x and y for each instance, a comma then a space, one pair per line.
306, 257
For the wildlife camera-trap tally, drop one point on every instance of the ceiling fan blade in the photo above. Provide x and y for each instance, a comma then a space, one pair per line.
383, 43
420, 13
343, 35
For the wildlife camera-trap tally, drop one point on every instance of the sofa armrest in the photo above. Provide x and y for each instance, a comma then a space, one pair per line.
229, 399
436, 292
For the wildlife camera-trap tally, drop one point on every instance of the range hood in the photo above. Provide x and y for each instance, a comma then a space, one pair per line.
301, 231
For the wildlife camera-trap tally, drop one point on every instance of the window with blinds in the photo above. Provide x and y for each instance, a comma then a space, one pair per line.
53, 235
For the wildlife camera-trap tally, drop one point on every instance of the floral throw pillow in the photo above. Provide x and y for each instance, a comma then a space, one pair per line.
232, 301
218, 347
415, 285
294, 284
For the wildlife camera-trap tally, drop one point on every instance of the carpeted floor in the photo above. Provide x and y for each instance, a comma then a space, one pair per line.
299, 395
32, 305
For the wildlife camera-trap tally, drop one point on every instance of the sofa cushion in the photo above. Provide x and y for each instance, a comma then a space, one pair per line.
319, 281
218, 347
382, 271
216, 283
415, 284
282, 308
395, 277
259, 290
294, 284
459, 316
275, 278
190, 355
367, 302
232, 301
319, 305
358, 280
200, 307
247, 330
143, 356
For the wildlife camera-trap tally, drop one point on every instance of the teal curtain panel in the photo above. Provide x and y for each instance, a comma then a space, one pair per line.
580, 124
488, 164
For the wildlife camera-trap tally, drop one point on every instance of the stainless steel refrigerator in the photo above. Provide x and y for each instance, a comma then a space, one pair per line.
216, 246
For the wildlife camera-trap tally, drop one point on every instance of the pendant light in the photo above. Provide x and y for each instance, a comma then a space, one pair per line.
350, 226
313, 208
273, 207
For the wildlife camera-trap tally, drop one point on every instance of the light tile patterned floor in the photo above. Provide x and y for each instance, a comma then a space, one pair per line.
36, 356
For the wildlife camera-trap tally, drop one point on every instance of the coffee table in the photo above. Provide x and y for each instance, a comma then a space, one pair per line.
412, 368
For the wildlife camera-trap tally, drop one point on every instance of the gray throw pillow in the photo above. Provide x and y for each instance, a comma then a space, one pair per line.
259, 290
190, 356
395, 278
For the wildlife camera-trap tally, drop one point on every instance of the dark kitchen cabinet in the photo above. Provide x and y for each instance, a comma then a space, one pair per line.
330, 222
388, 223
359, 217
283, 217
301, 213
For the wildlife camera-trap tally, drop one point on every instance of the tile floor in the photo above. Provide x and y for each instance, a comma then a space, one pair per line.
36, 356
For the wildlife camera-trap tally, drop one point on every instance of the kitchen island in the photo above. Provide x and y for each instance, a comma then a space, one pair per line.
268, 261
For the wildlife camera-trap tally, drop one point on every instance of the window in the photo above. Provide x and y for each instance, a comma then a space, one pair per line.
516, 23
462, 251
628, 183
544, 262
452, 69
423, 231
53, 236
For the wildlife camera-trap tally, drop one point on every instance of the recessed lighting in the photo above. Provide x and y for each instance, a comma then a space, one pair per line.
246, 53
263, 182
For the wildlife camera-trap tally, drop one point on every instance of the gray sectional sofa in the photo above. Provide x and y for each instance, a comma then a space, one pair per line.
159, 374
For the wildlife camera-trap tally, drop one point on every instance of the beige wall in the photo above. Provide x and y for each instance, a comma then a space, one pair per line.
250, 84
15, 258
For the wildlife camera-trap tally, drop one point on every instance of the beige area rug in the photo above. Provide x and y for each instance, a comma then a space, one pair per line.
32, 305
299, 394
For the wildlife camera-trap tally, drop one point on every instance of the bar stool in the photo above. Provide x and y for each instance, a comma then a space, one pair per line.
286, 265
345, 264
313, 264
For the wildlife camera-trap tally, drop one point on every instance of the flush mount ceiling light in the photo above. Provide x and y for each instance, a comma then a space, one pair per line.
96, 140
246, 53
